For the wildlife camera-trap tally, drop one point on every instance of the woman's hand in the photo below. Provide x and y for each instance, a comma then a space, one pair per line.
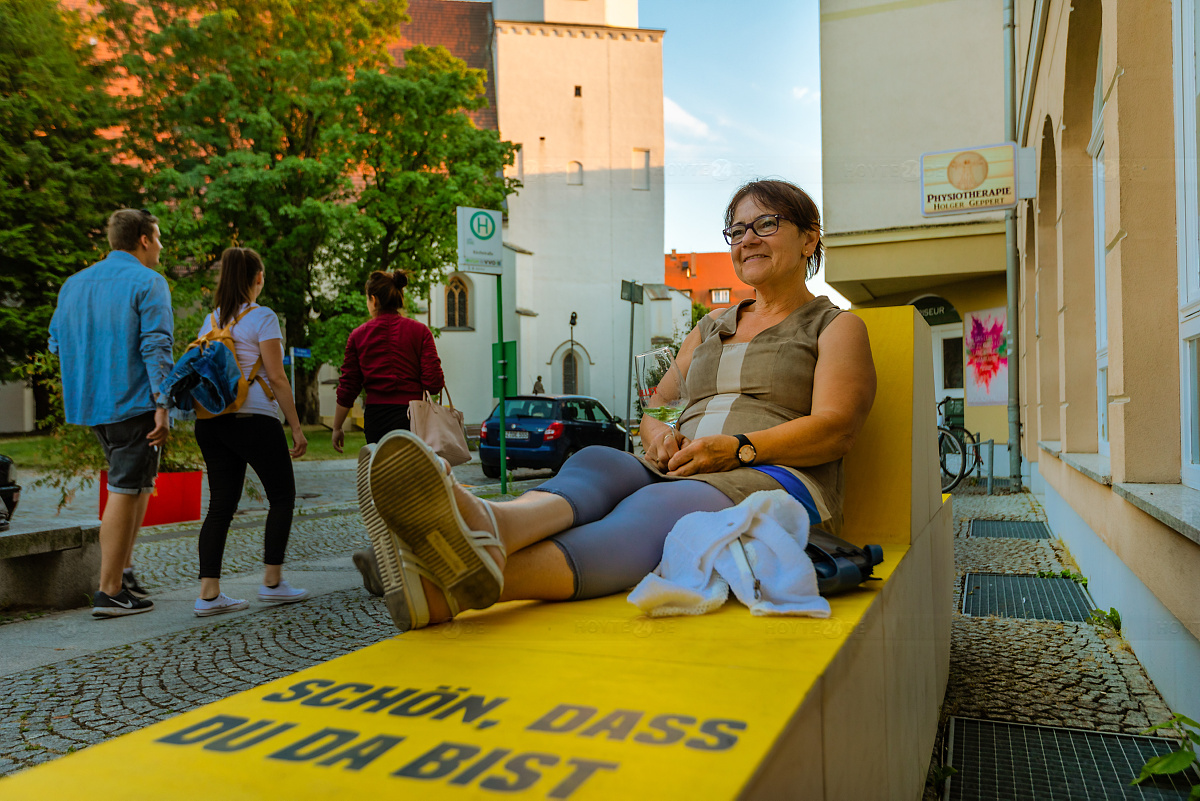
712, 454
299, 442
659, 441
339, 438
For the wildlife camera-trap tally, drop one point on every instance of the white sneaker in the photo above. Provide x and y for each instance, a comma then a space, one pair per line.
284, 593
219, 605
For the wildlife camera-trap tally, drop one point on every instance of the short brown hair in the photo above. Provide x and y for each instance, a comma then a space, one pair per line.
387, 289
126, 228
789, 201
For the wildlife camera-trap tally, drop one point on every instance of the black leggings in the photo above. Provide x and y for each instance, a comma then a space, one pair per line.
229, 443
381, 418
623, 513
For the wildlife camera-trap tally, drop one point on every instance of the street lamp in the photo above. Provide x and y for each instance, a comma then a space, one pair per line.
571, 353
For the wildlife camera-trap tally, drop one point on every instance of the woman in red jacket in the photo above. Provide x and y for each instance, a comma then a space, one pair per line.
392, 357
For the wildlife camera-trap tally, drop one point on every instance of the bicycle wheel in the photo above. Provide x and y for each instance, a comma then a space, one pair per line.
971, 453
951, 459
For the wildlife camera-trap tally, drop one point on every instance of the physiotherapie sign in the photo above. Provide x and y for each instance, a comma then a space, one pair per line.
969, 180
480, 243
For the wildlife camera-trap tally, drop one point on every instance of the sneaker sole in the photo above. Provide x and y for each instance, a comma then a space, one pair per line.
396, 581
290, 599
220, 610
118, 611
415, 499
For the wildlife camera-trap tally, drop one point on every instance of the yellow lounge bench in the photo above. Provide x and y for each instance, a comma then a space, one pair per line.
591, 700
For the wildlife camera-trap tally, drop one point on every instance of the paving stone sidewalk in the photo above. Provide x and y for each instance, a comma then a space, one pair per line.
1049, 673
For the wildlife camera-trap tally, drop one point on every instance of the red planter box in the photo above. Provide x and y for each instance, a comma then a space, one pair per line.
176, 497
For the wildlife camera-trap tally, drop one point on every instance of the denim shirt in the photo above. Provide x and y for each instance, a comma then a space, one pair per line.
112, 330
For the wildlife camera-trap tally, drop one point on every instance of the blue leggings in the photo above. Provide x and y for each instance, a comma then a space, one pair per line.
623, 513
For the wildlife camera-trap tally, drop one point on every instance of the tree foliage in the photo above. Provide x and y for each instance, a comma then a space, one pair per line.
286, 126
58, 177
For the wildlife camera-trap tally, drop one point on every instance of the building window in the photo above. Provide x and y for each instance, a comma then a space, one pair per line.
575, 174
1100, 255
720, 296
1186, 23
456, 304
579, 91
640, 171
570, 371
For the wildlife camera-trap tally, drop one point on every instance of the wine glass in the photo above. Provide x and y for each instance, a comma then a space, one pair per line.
662, 393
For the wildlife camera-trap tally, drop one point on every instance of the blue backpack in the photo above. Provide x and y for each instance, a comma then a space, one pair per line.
207, 377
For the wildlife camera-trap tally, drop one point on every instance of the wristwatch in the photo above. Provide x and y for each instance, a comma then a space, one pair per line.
746, 454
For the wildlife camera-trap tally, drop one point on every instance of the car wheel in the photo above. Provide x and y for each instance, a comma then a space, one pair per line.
491, 470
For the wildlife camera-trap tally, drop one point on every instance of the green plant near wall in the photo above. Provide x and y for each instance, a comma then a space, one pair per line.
74, 458
1066, 574
1110, 619
1179, 760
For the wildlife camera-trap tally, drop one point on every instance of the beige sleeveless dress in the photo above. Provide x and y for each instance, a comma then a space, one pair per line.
750, 386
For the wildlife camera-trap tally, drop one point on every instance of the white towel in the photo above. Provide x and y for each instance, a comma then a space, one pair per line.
702, 560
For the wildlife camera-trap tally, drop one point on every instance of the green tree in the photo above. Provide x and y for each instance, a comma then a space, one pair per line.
237, 110
58, 177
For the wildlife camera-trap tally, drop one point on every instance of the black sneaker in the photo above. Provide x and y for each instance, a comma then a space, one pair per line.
130, 582
119, 605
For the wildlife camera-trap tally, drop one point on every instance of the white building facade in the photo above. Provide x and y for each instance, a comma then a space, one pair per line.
579, 88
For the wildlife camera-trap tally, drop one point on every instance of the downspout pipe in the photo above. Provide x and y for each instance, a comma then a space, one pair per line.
1010, 247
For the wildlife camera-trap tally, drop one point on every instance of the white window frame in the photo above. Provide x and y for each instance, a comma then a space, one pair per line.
940, 334
719, 295
1185, 22
1100, 256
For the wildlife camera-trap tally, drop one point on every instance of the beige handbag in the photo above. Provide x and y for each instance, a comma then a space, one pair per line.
441, 428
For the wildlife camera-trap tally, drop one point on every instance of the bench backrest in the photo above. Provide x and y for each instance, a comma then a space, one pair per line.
892, 484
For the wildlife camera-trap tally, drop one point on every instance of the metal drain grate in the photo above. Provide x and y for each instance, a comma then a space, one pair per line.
1014, 761
1027, 597
1011, 529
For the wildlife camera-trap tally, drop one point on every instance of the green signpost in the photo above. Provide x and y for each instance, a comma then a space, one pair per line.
481, 250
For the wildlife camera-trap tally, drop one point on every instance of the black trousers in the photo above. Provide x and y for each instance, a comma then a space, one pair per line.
229, 443
380, 418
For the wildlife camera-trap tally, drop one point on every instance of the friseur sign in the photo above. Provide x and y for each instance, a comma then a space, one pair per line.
969, 180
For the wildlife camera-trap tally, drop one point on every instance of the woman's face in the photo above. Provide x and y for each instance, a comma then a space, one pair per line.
764, 260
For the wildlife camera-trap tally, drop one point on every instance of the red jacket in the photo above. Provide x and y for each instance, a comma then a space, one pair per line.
394, 358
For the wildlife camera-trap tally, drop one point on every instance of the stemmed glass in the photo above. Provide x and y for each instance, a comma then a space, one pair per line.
662, 393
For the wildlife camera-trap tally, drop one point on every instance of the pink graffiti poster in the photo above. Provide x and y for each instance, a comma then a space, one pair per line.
986, 351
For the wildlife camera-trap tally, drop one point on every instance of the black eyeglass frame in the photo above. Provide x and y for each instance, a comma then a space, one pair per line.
753, 226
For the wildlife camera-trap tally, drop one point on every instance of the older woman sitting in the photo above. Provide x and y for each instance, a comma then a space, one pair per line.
778, 388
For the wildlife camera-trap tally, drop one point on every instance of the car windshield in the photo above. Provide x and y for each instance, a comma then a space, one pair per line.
526, 407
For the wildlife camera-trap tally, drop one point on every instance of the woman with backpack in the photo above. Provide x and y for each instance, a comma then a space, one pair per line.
249, 435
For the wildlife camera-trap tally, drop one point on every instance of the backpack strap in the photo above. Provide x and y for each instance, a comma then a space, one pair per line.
254, 376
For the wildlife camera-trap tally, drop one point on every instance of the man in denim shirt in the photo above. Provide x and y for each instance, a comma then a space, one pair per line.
113, 331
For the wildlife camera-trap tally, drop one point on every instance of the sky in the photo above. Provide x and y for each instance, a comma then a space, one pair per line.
741, 100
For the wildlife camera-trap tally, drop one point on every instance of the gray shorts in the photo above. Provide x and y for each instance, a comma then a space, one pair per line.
132, 462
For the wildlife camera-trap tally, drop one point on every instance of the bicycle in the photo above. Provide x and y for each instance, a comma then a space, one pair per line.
952, 454
971, 448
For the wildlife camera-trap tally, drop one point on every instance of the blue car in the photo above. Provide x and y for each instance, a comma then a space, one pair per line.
541, 431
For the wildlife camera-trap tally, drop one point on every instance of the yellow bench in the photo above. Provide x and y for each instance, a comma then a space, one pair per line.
592, 700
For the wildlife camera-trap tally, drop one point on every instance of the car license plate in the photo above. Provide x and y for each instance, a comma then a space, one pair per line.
516, 435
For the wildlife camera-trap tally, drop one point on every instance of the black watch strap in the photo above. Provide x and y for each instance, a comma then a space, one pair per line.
743, 444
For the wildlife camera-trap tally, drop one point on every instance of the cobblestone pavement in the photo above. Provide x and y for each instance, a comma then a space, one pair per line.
1031, 671
55, 710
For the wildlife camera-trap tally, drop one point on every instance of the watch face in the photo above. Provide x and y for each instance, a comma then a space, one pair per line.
746, 454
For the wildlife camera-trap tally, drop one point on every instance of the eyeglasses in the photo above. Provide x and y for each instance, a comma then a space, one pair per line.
763, 226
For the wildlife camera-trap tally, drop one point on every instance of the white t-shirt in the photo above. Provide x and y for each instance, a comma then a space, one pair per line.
258, 326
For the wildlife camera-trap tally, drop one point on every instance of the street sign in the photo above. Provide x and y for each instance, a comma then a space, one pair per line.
970, 180
631, 291
480, 241
303, 353
508, 370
